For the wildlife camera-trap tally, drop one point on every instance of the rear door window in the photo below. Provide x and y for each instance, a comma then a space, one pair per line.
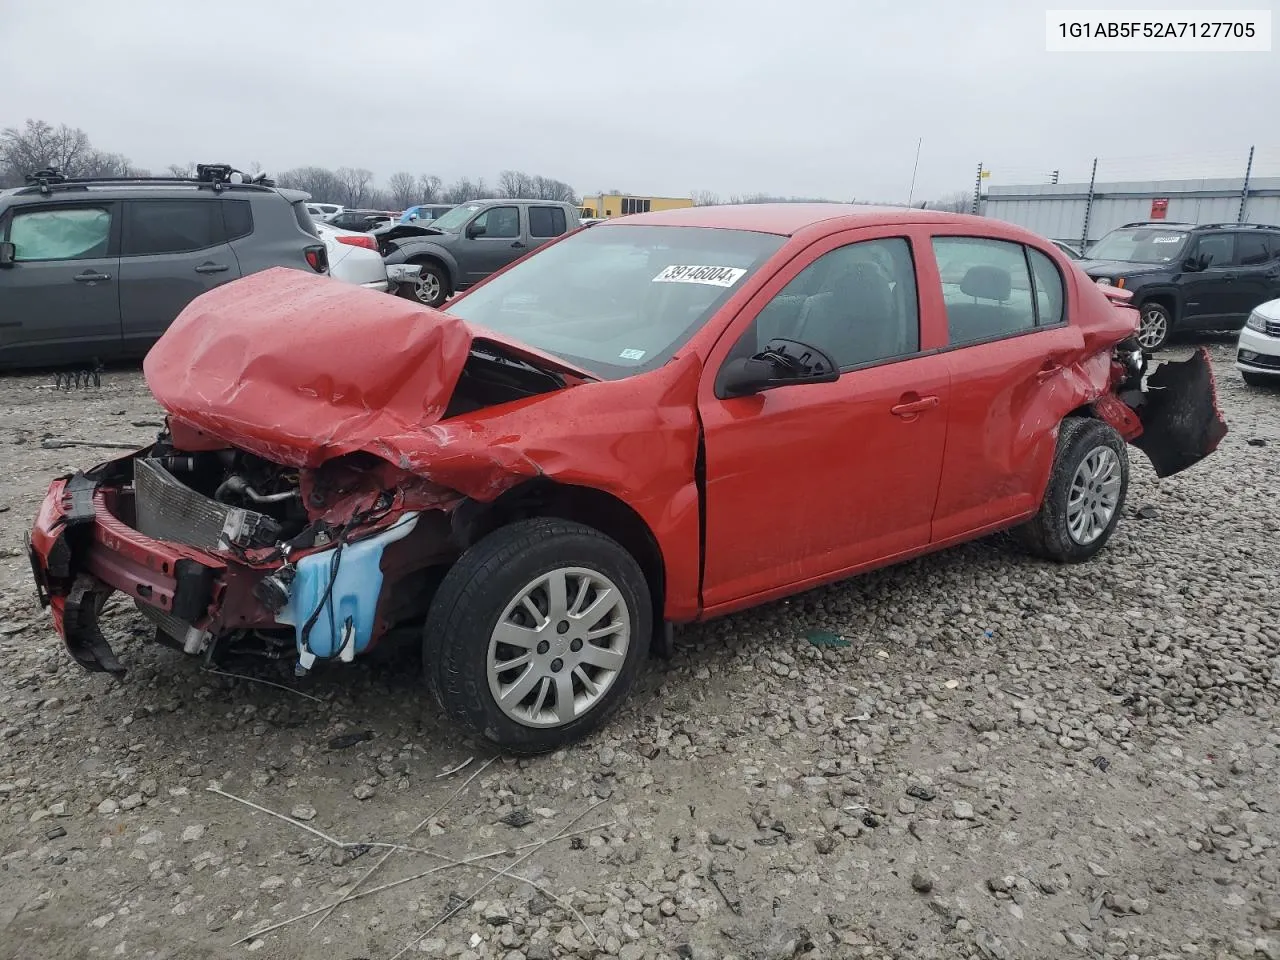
1251, 249
546, 221
986, 287
61, 233
170, 226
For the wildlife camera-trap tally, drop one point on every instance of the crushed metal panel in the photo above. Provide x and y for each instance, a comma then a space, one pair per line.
1181, 422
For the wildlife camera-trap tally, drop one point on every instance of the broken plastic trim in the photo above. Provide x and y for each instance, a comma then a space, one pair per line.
83, 633
1181, 423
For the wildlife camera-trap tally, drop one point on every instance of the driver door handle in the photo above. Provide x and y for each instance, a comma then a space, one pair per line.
517, 244
909, 407
212, 268
89, 276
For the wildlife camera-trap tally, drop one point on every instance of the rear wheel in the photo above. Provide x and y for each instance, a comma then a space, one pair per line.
1154, 323
537, 633
1086, 492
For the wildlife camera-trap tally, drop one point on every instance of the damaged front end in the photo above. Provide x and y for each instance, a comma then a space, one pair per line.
221, 550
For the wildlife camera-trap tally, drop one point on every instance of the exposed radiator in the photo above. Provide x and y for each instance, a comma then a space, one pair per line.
167, 509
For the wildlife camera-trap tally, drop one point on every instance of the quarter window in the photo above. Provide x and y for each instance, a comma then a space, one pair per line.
857, 303
986, 287
546, 221
238, 218
170, 226
66, 233
1049, 290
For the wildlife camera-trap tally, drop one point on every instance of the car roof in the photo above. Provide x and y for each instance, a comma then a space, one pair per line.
156, 190
787, 219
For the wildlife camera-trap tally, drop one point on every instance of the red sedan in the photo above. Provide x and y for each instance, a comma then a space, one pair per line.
651, 421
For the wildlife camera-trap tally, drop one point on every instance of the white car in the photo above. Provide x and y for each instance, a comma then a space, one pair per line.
1258, 352
324, 212
354, 257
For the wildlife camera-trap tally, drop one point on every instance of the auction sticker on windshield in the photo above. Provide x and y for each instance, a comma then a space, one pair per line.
713, 276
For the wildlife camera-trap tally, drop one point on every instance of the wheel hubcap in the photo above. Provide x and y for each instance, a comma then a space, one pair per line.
1095, 492
428, 287
558, 647
1151, 328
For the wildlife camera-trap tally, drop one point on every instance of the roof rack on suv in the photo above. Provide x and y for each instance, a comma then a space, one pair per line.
1157, 223
217, 176
1243, 226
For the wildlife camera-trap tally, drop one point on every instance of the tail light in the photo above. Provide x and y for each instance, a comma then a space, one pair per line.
359, 240
317, 258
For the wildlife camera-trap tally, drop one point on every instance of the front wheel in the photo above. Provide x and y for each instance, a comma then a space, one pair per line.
1154, 326
1086, 492
537, 633
431, 288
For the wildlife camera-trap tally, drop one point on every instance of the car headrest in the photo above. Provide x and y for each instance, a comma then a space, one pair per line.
987, 283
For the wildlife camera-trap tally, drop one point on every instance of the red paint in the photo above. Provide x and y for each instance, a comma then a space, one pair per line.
803, 484
1159, 208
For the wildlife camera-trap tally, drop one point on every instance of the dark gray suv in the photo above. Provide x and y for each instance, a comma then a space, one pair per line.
96, 269
473, 240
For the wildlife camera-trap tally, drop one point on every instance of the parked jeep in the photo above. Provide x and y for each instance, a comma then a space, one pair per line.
472, 241
1187, 278
95, 269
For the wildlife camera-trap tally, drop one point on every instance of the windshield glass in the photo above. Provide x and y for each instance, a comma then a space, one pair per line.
1140, 245
618, 300
453, 220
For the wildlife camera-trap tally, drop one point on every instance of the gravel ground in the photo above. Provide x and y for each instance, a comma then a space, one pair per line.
1008, 759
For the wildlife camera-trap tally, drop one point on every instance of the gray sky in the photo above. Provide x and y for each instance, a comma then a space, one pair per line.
812, 97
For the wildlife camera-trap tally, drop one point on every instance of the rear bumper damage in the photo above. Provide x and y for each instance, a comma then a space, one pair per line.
1173, 417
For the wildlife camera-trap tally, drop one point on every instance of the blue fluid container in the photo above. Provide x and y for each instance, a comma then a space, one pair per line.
354, 597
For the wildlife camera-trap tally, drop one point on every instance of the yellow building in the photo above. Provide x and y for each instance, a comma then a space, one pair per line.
617, 205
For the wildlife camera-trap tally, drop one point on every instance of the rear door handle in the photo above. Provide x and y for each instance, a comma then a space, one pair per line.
910, 408
90, 276
212, 268
517, 244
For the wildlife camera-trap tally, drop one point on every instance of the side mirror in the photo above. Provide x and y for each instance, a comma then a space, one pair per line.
782, 362
8, 253
475, 230
1195, 264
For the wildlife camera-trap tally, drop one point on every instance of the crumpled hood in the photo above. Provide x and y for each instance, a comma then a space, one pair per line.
299, 368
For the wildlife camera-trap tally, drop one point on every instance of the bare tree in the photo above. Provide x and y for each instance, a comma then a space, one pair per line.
38, 145
429, 187
321, 183
403, 189
705, 198
958, 202
355, 184
513, 183
181, 169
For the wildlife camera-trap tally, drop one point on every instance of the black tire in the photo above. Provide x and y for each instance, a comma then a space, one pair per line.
1257, 379
1155, 316
1047, 534
417, 291
474, 594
